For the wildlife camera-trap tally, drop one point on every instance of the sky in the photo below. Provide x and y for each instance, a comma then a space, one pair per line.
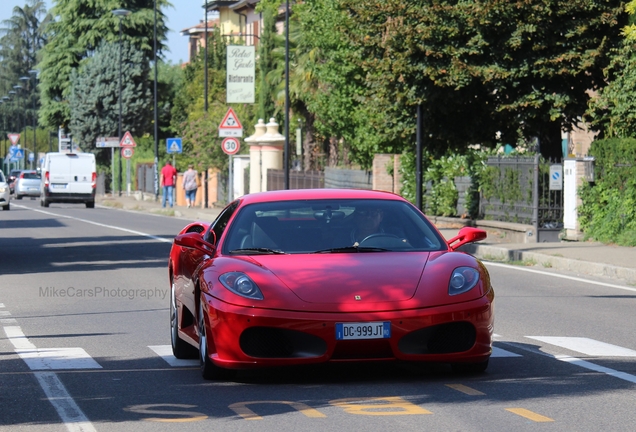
182, 14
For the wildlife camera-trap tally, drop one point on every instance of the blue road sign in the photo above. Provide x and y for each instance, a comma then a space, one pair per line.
31, 157
173, 145
12, 150
18, 154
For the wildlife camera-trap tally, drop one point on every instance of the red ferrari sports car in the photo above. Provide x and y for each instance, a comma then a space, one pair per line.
326, 275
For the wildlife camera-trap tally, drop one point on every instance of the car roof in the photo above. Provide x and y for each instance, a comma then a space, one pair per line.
323, 193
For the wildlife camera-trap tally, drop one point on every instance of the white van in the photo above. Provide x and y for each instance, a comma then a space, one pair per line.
68, 178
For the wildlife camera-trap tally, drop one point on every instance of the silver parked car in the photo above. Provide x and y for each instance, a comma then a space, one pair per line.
27, 184
5, 193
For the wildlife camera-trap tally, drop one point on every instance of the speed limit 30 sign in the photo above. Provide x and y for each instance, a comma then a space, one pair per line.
127, 152
231, 145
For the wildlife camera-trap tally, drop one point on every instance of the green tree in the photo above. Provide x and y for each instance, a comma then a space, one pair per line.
95, 91
80, 26
480, 69
266, 63
23, 36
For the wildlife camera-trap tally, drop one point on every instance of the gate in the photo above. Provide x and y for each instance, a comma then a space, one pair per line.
518, 191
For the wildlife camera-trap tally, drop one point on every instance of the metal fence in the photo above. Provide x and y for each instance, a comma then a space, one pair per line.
146, 177
523, 195
297, 179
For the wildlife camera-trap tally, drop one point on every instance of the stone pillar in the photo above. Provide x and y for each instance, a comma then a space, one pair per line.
266, 151
576, 172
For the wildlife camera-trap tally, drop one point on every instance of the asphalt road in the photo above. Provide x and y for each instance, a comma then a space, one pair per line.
84, 295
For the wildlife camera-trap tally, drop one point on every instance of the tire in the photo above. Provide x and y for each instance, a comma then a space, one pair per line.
209, 370
180, 348
45, 203
470, 368
6, 207
90, 204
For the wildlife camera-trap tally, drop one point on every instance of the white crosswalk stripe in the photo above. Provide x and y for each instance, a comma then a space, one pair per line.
586, 346
165, 352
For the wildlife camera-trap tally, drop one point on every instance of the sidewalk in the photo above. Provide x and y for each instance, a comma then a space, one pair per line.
584, 258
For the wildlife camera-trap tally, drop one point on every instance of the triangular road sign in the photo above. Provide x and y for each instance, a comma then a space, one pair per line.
230, 121
14, 138
175, 147
127, 141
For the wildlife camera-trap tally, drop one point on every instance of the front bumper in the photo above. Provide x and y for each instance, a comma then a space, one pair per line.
248, 337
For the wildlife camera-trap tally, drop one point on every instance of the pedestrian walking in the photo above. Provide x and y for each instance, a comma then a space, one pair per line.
168, 180
190, 185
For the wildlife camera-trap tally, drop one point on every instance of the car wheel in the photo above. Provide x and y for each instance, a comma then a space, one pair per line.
209, 370
6, 207
180, 348
45, 203
470, 368
90, 204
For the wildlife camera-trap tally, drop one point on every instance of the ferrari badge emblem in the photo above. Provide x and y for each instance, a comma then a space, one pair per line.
358, 298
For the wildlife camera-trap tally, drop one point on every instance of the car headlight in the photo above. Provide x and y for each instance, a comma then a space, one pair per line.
2, 189
462, 280
240, 284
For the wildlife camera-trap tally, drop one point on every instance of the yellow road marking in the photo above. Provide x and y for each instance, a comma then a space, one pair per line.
381, 406
242, 409
465, 389
530, 415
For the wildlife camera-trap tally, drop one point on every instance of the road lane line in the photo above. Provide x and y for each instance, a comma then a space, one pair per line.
139, 233
17, 338
1, 305
465, 389
5, 313
594, 367
71, 414
48, 358
512, 267
8, 321
530, 415
587, 346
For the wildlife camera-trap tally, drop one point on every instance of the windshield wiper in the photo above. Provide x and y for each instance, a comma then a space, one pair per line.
257, 251
349, 249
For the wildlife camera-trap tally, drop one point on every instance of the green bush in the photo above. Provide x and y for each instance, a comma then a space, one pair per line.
439, 173
608, 210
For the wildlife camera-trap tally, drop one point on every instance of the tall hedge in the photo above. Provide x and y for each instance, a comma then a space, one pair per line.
608, 212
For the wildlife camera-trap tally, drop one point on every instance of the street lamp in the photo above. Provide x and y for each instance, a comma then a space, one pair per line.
17, 92
286, 151
156, 128
120, 13
11, 93
25, 79
34, 72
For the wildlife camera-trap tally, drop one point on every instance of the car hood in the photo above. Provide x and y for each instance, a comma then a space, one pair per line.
349, 277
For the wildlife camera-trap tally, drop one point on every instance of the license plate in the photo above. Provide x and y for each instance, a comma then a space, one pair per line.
58, 186
33, 189
363, 330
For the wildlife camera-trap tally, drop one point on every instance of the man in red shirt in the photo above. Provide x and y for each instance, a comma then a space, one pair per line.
168, 181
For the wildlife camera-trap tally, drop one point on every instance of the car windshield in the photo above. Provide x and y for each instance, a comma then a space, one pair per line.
1, 177
330, 226
30, 175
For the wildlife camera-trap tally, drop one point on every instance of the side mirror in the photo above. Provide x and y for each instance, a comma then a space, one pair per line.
466, 235
193, 240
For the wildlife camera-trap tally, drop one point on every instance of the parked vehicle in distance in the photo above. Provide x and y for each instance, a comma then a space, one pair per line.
68, 178
5, 193
11, 178
310, 276
27, 184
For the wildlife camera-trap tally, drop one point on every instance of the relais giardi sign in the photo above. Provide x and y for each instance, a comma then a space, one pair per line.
240, 74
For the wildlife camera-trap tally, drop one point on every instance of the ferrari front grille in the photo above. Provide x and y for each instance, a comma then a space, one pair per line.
439, 339
269, 342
